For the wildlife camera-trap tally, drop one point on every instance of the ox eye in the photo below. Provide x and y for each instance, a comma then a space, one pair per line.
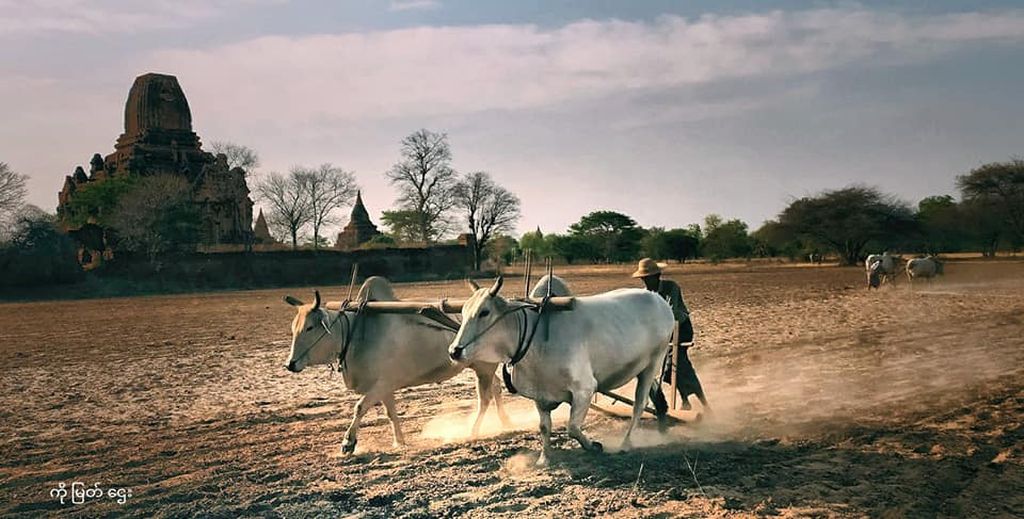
485, 313
309, 329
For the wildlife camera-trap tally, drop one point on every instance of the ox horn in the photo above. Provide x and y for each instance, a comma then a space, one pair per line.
292, 301
316, 300
497, 285
473, 284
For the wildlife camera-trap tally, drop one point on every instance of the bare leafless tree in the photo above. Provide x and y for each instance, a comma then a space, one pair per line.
489, 209
288, 209
12, 189
426, 181
327, 189
239, 156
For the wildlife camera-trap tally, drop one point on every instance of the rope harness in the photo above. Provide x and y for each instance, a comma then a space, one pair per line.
523, 342
350, 326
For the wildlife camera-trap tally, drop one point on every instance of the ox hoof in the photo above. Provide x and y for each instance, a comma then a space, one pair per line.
596, 447
542, 461
348, 448
663, 424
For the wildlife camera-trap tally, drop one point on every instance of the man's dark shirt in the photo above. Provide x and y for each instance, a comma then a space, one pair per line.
670, 290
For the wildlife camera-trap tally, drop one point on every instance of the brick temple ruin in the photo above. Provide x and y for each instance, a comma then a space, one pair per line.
158, 139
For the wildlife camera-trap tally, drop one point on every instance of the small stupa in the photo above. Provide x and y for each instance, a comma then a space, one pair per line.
359, 229
261, 231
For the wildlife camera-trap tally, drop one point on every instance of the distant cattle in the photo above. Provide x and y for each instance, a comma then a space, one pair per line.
379, 353
874, 274
923, 268
881, 268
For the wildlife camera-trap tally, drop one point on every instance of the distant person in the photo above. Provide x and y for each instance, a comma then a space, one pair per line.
686, 378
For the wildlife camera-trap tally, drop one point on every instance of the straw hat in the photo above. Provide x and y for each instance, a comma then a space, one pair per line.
647, 267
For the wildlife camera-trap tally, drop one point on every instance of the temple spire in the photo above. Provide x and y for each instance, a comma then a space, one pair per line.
359, 212
359, 228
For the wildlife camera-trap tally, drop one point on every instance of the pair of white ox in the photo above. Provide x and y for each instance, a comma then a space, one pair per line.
603, 343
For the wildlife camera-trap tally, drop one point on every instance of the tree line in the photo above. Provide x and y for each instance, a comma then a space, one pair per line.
612, 237
849, 223
434, 199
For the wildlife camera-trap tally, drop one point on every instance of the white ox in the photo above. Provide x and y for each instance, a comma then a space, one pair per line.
884, 266
924, 268
605, 341
381, 353
558, 287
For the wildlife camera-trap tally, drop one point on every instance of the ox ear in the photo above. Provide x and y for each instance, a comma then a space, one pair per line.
497, 285
473, 284
292, 301
316, 301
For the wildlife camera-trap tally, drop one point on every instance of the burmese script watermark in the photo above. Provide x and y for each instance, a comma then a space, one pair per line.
80, 493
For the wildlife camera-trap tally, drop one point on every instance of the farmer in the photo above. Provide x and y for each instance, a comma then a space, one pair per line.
686, 377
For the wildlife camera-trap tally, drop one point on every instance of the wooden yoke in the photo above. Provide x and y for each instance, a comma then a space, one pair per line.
555, 304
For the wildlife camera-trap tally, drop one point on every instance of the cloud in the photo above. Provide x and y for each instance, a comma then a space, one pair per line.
436, 71
33, 17
413, 5
715, 109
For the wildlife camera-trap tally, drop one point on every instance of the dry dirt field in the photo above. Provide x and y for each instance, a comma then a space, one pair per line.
829, 401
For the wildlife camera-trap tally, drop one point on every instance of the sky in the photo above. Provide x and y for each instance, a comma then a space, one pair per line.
666, 111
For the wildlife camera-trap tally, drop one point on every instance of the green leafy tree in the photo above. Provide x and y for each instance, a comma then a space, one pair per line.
999, 186
380, 241
984, 228
677, 244
502, 249
614, 235
725, 239
573, 248
97, 201
847, 220
38, 253
774, 239
682, 244
537, 243
653, 244
403, 226
940, 221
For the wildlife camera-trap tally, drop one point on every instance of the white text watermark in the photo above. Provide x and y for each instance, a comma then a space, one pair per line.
79, 493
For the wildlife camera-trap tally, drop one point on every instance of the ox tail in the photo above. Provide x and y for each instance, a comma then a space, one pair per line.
506, 377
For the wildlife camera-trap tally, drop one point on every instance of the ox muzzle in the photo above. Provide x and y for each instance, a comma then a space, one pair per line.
457, 353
